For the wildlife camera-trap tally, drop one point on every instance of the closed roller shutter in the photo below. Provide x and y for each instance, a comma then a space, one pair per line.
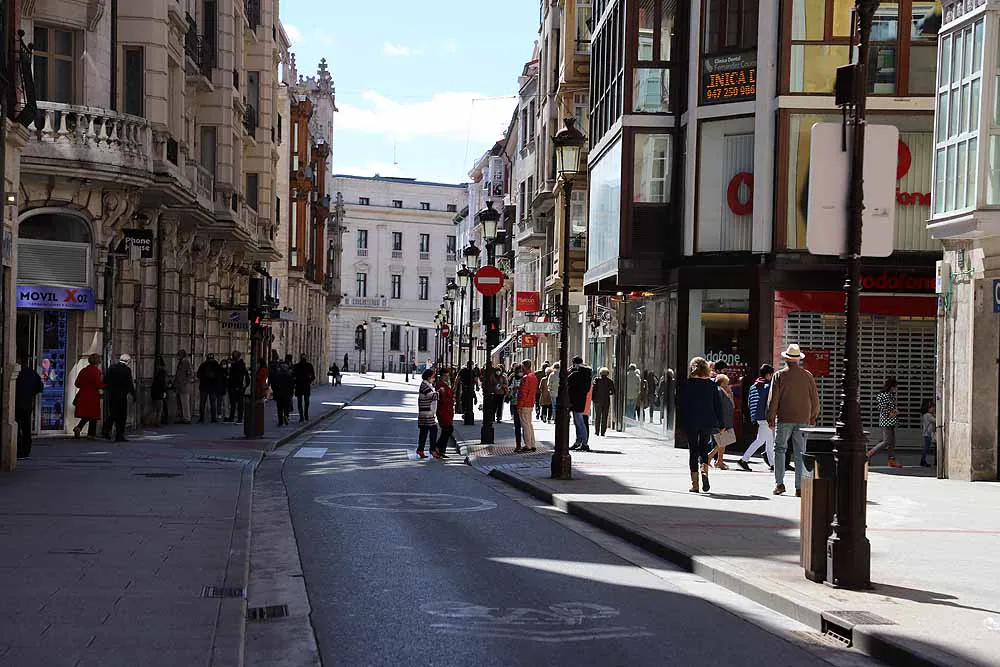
901, 346
53, 263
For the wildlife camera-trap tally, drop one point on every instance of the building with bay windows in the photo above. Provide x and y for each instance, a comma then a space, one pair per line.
698, 194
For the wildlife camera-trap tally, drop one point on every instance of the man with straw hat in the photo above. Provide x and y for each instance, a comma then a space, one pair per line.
793, 404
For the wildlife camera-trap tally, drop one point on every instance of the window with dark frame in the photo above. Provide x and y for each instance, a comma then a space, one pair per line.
208, 148
397, 286
452, 208
730, 26
252, 190
397, 241
425, 206
135, 73
361, 285
397, 203
362, 239
425, 288
395, 332
422, 340
364, 201
452, 246
54, 64
425, 243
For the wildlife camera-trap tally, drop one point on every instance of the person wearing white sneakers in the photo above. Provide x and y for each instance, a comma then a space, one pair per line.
757, 399
792, 405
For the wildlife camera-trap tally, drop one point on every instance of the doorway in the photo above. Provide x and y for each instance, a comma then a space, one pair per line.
42, 338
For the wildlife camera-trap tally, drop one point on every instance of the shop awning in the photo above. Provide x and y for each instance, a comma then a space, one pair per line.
504, 344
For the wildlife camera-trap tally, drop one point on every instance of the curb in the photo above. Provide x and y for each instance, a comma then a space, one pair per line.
309, 425
866, 638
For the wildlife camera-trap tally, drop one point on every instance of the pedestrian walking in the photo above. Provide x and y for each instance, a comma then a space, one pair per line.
239, 380
928, 426
652, 400
633, 387
554, 388
726, 435
757, 400
159, 390
668, 402
699, 415
426, 419
261, 378
345, 363
334, 374
542, 373
604, 389
887, 416
305, 375
642, 399
445, 412
208, 379
499, 391
282, 387
578, 387
183, 379
90, 384
792, 405
526, 404
27, 387
514, 393
120, 386
544, 396
222, 388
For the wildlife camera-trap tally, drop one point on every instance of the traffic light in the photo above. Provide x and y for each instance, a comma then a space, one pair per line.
493, 326
257, 310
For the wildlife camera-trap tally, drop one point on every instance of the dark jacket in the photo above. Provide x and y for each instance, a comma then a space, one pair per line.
282, 381
304, 374
158, 390
578, 386
208, 375
118, 381
699, 406
604, 389
26, 387
238, 376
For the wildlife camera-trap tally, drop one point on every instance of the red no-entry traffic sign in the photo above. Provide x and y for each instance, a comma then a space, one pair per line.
445, 330
488, 280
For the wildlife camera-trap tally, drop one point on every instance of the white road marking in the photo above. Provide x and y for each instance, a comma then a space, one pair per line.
310, 453
407, 502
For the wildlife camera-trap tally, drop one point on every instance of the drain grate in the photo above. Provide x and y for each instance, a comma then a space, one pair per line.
222, 592
828, 639
267, 613
159, 475
852, 618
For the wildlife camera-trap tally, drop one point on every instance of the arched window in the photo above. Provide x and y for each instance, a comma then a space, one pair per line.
53, 249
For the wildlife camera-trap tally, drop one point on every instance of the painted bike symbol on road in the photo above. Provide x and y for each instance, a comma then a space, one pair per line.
407, 502
561, 622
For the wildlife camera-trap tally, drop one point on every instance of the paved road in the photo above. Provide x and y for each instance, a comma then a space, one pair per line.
431, 563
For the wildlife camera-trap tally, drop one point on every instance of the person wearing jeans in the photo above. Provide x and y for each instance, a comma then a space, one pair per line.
578, 387
426, 414
792, 405
757, 399
699, 414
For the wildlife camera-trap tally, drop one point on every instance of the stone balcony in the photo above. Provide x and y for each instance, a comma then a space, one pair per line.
530, 232
234, 219
72, 140
203, 184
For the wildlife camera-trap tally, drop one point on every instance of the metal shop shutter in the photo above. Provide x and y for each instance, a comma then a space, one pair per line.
53, 263
900, 346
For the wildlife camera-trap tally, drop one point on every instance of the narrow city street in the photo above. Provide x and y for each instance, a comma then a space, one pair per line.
431, 563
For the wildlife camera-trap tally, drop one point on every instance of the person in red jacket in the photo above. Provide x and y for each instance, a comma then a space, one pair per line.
526, 405
90, 382
445, 413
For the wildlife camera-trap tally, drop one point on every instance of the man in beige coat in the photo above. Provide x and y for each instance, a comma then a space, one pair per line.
793, 404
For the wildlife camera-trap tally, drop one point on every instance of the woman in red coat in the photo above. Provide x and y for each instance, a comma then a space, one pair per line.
445, 413
88, 398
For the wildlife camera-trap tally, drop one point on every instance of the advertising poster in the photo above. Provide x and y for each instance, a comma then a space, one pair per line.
52, 369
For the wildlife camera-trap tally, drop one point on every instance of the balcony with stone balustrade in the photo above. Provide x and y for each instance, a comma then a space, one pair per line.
89, 142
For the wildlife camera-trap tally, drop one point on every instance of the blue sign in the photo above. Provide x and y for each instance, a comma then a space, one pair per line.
996, 296
55, 298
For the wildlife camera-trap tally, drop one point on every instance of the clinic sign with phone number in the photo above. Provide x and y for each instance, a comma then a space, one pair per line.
55, 298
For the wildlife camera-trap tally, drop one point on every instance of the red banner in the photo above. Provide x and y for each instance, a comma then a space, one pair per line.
528, 302
528, 340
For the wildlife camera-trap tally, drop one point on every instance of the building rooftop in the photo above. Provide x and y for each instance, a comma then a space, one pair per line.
399, 179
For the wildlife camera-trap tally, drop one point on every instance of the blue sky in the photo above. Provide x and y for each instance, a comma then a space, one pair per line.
436, 78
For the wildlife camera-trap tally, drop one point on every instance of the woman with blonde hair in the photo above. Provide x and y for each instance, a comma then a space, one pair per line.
699, 415
726, 435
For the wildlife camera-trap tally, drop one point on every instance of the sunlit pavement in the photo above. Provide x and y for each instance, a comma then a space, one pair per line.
419, 562
744, 536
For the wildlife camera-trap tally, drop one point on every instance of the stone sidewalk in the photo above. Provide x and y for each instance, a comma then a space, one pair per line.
934, 542
134, 553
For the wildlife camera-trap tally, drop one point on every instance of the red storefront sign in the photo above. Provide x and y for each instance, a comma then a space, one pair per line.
529, 340
817, 362
903, 164
740, 205
528, 302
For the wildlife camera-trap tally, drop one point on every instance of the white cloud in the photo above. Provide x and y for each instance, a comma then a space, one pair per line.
398, 50
456, 116
294, 34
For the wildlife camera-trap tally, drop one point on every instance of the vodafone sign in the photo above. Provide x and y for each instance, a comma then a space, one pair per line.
739, 193
903, 164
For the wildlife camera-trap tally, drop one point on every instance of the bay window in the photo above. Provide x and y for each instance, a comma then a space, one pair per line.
651, 177
651, 75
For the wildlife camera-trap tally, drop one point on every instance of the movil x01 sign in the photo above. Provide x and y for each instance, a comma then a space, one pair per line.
55, 298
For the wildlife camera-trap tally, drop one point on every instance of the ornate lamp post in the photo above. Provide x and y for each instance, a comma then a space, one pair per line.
384, 327
452, 290
569, 147
489, 218
407, 364
471, 256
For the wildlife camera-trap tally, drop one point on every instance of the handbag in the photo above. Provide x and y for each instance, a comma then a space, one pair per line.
725, 437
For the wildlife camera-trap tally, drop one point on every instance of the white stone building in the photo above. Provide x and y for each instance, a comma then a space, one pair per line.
399, 254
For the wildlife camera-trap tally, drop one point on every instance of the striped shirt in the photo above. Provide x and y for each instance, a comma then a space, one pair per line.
425, 404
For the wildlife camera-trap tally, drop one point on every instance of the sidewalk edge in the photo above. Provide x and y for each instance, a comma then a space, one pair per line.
311, 424
867, 639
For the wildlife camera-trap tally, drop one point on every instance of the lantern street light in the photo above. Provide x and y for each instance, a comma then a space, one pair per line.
384, 327
489, 217
464, 276
452, 290
569, 148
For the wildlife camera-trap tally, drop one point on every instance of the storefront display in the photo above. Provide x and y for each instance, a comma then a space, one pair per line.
52, 369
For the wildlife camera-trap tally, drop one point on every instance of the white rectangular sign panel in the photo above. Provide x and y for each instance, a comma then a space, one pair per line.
830, 189
541, 327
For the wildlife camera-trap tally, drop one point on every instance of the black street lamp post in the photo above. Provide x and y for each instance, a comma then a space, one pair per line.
489, 218
569, 147
364, 347
407, 363
848, 550
450, 299
383, 349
